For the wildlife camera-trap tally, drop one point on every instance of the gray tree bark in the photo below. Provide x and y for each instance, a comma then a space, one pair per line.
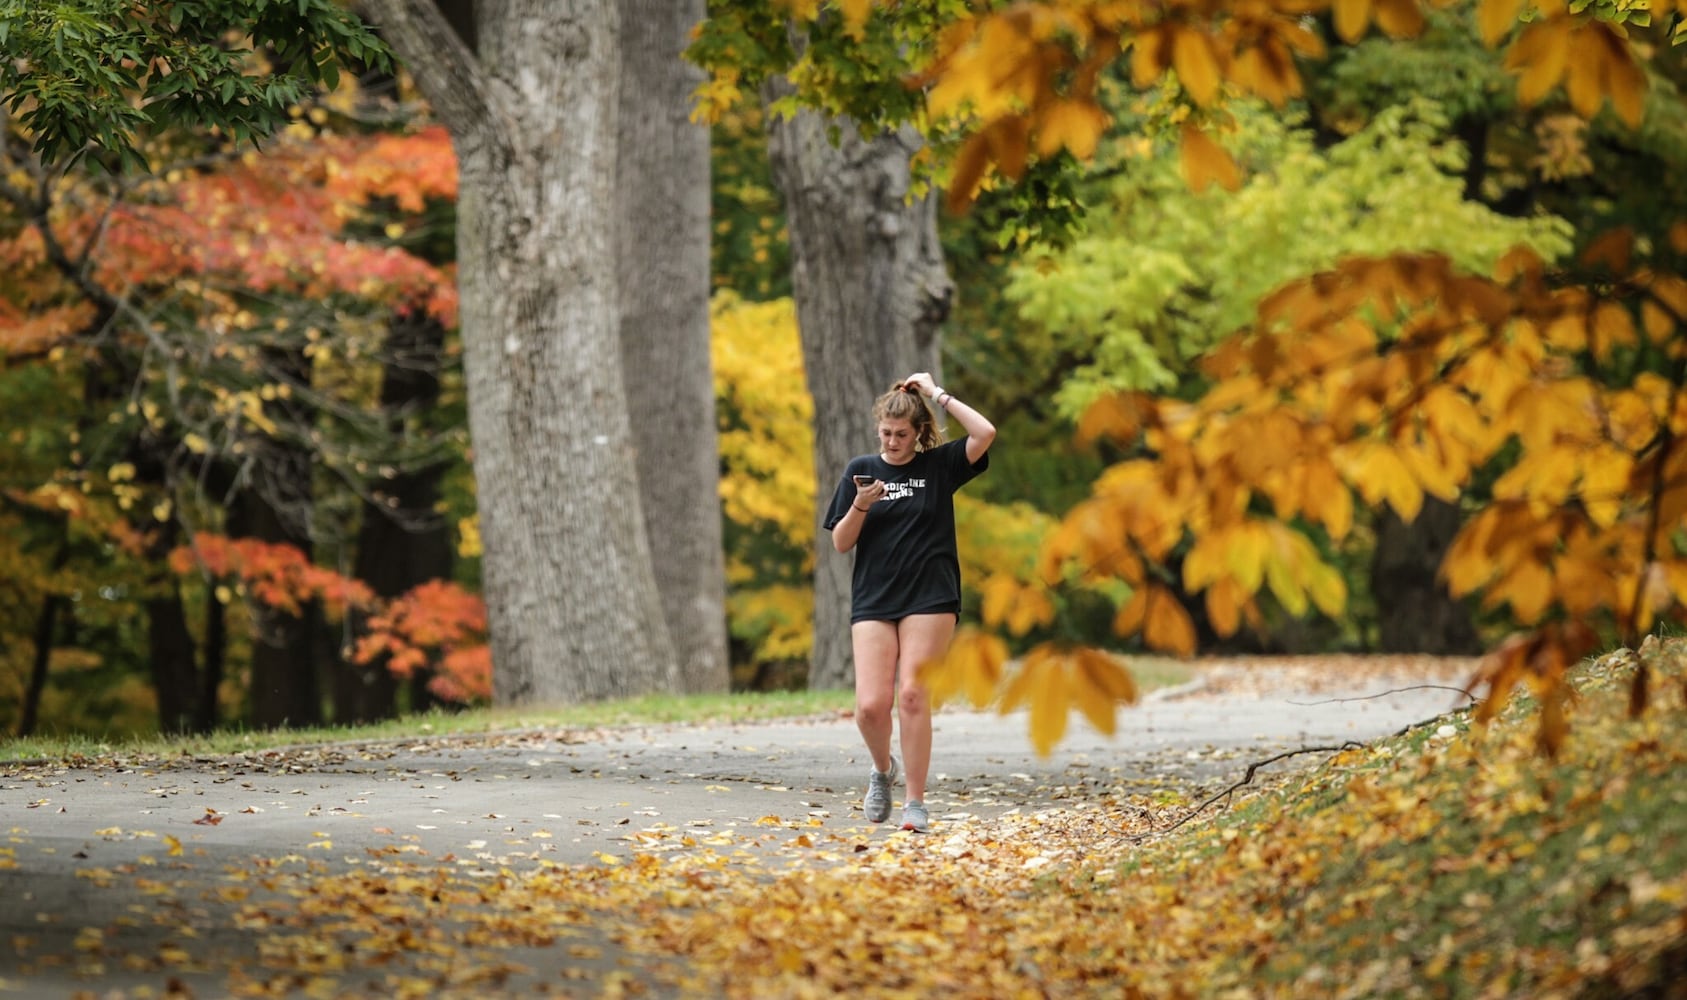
871, 292
662, 195
571, 597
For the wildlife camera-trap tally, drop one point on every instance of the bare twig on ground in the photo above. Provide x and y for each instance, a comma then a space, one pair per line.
1247, 779
1384, 694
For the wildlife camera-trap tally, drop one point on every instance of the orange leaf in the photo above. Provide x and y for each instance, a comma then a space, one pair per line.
1205, 162
970, 165
1169, 626
1399, 18
1540, 54
1195, 57
855, 16
1351, 18
1496, 17
1073, 125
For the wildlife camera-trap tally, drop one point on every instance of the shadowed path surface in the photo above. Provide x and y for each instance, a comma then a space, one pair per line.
104, 868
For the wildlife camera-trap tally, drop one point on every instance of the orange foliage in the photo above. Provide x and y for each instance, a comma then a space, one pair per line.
1391, 379
433, 618
273, 223
436, 626
1026, 76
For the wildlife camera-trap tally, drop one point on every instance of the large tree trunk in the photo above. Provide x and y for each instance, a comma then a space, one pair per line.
871, 293
1415, 612
401, 541
662, 193
571, 596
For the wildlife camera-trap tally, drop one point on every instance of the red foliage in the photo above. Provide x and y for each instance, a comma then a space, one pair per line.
272, 223
438, 623
436, 626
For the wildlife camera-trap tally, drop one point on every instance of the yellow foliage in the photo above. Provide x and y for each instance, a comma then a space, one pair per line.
1052, 679
766, 435
779, 619
1024, 75
972, 666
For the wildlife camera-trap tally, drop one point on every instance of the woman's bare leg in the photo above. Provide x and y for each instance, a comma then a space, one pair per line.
876, 646
921, 638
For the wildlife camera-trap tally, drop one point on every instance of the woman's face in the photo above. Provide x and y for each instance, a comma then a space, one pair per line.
896, 440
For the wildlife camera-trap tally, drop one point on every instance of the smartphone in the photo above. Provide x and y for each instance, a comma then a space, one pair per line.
863, 480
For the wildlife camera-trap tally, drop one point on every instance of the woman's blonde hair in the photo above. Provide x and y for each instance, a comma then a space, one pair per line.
904, 402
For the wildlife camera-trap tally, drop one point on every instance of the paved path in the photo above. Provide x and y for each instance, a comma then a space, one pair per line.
97, 847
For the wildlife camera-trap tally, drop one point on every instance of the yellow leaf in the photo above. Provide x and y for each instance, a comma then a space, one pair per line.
1040, 682
194, 443
1528, 589
1000, 592
1149, 57
1540, 55
1118, 416
1168, 625
1327, 589
970, 165
1224, 607
1048, 706
1379, 474
1585, 73
1659, 324
1496, 17
1205, 162
1134, 612
855, 16
1351, 18
1033, 608
1399, 18
1604, 484
1626, 82
1101, 685
1195, 57
1072, 125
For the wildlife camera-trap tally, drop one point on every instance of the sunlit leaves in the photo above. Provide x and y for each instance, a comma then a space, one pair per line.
972, 667
1008, 66
767, 487
1206, 163
437, 628
1539, 661
1050, 680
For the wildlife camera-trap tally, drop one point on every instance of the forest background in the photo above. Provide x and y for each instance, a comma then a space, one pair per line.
1332, 336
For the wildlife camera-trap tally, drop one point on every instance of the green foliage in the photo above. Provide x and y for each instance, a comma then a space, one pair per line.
101, 74
1447, 64
750, 254
1163, 273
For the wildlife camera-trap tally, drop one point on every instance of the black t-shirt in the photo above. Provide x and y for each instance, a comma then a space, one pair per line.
905, 557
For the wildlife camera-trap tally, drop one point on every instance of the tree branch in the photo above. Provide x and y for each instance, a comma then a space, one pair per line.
1384, 694
441, 62
1247, 779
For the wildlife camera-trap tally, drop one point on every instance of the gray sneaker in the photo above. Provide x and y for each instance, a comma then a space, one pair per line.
877, 802
915, 817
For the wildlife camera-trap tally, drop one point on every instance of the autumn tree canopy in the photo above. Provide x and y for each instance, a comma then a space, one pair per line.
1544, 395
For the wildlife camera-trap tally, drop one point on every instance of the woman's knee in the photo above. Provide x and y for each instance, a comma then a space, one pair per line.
911, 699
872, 709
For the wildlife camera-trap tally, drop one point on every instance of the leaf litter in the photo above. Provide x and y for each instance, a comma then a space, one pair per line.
1450, 861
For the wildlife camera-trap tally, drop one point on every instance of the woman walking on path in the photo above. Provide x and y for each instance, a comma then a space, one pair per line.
896, 510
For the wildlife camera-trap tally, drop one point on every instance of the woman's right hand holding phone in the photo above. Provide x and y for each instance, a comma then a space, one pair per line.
867, 491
